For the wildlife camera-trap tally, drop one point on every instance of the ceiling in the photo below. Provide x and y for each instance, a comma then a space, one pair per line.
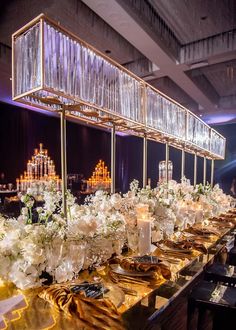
186, 48
192, 20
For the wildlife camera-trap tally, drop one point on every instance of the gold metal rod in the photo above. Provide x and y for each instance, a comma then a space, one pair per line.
28, 25
42, 59
144, 161
113, 159
65, 135
212, 172
29, 93
204, 170
183, 164
13, 66
63, 161
167, 163
195, 170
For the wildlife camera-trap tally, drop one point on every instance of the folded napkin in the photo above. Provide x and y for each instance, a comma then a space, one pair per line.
93, 314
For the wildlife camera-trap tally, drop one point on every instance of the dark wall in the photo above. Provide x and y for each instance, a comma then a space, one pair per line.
22, 130
226, 169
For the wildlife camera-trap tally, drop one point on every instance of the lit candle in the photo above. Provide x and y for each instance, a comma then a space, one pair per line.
199, 215
144, 227
17, 184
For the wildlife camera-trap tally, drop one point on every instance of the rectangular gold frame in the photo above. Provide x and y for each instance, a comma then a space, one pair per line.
122, 123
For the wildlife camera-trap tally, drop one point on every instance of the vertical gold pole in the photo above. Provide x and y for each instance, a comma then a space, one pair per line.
13, 68
212, 172
42, 71
167, 162
144, 161
183, 164
113, 159
65, 134
144, 113
63, 160
204, 171
195, 170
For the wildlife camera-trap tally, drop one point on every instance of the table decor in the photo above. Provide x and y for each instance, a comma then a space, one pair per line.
48, 248
92, 313
145, 264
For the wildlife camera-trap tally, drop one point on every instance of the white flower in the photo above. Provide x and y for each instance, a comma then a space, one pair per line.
157, 236
32, 253
64, 272
116, 201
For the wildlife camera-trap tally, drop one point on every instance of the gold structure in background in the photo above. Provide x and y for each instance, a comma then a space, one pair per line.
40, 168
100, 178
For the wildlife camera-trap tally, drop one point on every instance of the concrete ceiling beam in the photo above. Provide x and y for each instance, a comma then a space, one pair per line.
228, 102
115, 13
204, 49
219, 67
204, 84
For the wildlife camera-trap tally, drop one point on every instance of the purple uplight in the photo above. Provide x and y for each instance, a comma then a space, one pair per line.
219, 118
26, 106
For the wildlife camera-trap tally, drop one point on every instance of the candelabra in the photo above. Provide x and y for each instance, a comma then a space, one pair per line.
100, 178
39, 170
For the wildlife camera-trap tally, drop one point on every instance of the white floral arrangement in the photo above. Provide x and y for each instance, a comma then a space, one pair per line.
42, 246
53, 248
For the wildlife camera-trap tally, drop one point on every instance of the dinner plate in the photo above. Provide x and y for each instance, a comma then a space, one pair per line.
175, 250
116, 268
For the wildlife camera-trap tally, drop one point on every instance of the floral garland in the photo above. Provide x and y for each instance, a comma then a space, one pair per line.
41, 247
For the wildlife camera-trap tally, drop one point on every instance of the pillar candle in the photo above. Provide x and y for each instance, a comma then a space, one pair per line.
144, 227
199, 216
17, 184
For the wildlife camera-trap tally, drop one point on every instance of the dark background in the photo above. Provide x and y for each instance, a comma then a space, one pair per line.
22, 130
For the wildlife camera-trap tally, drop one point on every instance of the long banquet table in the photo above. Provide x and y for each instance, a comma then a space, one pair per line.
156, 306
